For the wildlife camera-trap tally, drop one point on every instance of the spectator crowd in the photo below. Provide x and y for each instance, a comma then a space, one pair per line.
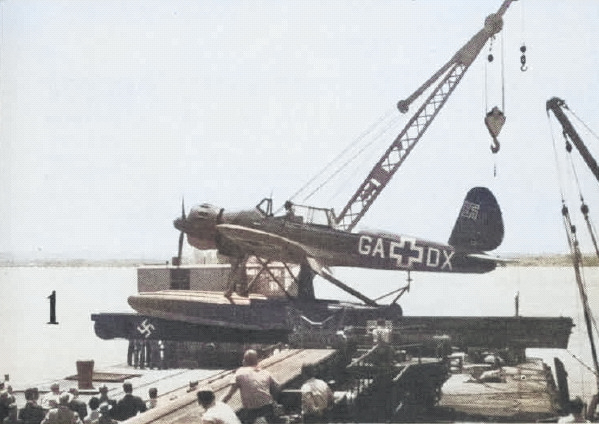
65, 407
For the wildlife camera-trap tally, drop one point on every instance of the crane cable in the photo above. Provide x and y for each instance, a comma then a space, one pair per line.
384, 121
569, 227
556, 159
386, 126
490, 59
495, 112
583, 123
578, 264
583, 207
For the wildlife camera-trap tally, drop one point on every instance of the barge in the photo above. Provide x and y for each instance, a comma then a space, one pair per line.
431, 368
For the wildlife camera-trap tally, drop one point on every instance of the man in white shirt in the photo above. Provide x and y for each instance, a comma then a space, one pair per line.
256, 387
215, 412
51, 399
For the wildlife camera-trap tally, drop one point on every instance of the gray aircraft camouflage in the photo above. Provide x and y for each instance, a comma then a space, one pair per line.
316, 239
309, 237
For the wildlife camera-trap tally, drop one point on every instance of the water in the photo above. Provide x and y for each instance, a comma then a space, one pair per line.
32, 351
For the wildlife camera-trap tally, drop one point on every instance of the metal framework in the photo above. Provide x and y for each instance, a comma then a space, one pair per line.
451, 74
557, 105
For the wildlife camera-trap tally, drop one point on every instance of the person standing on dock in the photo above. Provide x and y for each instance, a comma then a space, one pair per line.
77, 404
153, 401
105, 415
5, 402
62, 414
94, 413
50, 400
256, 387
215, 412
12, 417
103, 389
31, 413
129, 405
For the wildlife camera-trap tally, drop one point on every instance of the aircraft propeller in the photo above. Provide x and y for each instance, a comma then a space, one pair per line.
181, 234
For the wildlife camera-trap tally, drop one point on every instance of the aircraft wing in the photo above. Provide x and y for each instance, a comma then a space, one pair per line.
269, 246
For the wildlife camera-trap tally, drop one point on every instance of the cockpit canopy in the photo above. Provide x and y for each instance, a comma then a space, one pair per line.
301, 213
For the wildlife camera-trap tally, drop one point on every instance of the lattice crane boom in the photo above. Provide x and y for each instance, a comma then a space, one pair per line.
450, 75
557, 105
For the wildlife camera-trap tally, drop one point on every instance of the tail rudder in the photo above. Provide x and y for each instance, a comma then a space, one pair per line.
479, 226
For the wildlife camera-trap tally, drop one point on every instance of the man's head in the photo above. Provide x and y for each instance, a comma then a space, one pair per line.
153, 392
94, 403
250, 358
205, 396
64, 399
103, 389
55, 388
127, 388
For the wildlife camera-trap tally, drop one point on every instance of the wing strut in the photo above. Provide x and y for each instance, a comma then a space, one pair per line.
325, 274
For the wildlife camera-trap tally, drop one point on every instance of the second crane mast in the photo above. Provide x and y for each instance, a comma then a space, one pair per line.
450, 74
557, 106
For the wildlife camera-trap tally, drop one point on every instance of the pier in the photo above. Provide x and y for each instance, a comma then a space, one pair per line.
378, 384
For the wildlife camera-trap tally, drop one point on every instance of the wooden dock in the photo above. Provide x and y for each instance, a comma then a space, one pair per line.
182, 407
526, 392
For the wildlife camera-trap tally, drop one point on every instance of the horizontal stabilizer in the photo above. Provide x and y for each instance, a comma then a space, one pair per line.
496, 259
479, 226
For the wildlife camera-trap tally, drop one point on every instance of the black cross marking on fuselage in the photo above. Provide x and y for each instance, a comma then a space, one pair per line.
407, 252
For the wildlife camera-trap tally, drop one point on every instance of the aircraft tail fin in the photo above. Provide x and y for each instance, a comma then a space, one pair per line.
479, 226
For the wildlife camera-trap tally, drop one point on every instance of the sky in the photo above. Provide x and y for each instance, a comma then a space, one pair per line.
112, 112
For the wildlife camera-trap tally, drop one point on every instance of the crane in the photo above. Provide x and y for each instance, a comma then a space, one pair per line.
557, 106
449, 76
316, 239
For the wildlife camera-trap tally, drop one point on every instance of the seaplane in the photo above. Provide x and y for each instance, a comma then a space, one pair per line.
318, 240
310, 238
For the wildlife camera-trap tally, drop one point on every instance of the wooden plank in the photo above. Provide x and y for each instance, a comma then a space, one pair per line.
183, 408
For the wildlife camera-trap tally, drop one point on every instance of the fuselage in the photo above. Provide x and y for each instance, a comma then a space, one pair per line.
291, 239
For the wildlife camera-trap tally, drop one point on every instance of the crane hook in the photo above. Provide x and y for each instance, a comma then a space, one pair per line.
494, 122
523, 66
495, 146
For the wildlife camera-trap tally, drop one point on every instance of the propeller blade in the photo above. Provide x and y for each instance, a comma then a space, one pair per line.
180, 251
181, 234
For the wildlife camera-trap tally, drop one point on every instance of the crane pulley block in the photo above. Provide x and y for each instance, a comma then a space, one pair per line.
494, 122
